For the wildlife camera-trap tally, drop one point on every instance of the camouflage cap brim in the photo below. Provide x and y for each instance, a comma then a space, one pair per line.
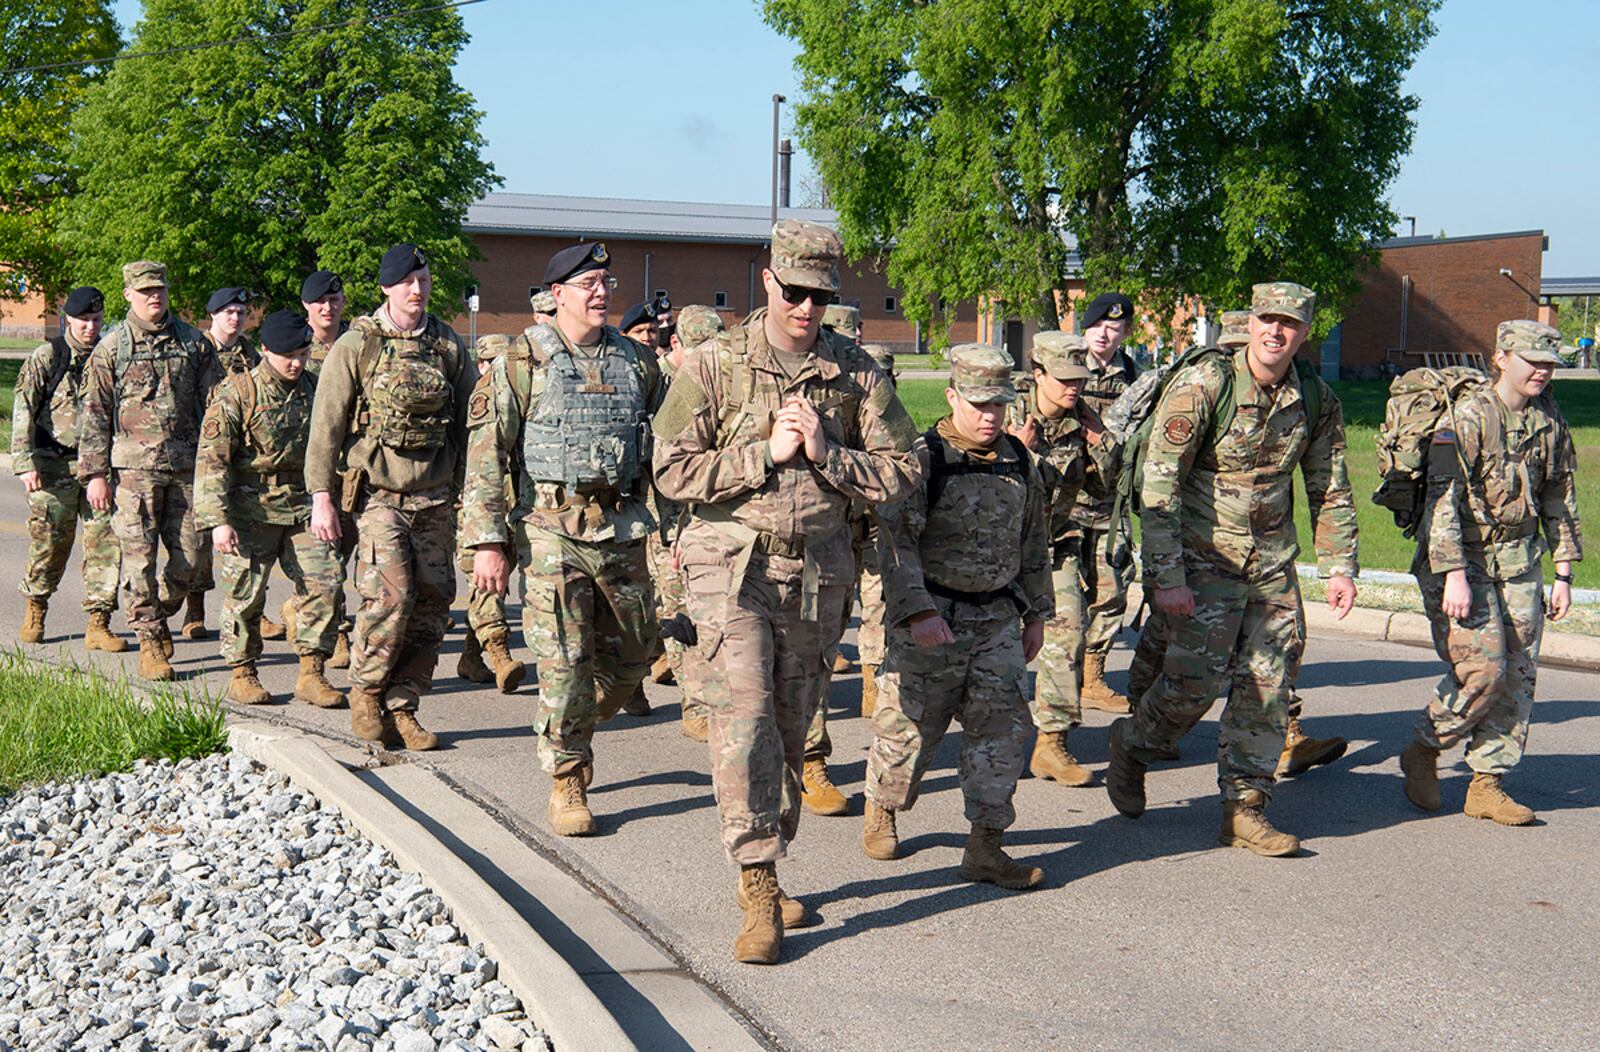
983, 394
1539, 357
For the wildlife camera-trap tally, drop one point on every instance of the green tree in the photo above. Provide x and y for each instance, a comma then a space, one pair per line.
255, 163
36, 106
1182, 147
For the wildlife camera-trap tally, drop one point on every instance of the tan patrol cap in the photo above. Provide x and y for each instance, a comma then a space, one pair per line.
543, 302
144, 274
806, 254
1061, 354
1235, 329
1283, 298
697, 323
1531, 341
981, 373
842, 319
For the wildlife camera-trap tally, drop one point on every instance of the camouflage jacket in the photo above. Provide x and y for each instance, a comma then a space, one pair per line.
505, 398
240, 358
987, 533
320, 351
1092, 508
1069, 465
251, 465
1227, 501
1521, 474
146, 395
47, 411
711, 449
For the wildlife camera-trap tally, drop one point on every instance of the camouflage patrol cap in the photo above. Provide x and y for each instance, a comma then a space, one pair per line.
1283, 298
880, 354
981, 373
1235, 328
1529, 340
543, 302
697, 323
842, 319
144, 274
806, 254
1061, 354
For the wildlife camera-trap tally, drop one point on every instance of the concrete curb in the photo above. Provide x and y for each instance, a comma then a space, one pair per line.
551, 990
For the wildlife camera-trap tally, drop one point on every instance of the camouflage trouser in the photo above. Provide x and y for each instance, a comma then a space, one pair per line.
342, 550
312, 565
1105, 589
1245, 637
764, 679
982, 680
407, 580
1056, 706
1486, 695
486, 611
204, 571
588, 615
54, 510
869, 642
154, 508
669, 596
1152, 650
691, 671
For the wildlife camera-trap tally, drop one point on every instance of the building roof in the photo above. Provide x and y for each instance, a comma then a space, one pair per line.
622, 219
1569, 286
1413, 242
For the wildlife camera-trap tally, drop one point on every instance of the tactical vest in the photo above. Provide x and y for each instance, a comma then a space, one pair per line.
55, 427
941, 469
275, 437
589, 428
408, 399
142, 362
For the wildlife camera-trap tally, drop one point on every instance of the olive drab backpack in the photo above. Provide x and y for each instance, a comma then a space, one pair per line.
1421, 402
407, 394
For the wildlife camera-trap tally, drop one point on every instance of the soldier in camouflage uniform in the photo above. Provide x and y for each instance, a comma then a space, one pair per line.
1219, 547
967, 564
1075, 452
46, 418
844, 319
769, 436
391, 407
544, 307
322, 298
149, 379
869, 578
575, 429
1501, 495
250, 495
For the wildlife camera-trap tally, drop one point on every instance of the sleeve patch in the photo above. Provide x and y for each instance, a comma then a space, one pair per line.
1444, 437
478, 408
1179, 430
684, 399
211, 428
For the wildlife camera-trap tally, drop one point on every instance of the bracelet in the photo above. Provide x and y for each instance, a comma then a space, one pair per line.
1563, 578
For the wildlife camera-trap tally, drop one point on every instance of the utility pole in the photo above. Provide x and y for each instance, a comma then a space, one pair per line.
777, 100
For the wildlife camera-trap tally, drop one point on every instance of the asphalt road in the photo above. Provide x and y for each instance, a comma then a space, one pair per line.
1393, 929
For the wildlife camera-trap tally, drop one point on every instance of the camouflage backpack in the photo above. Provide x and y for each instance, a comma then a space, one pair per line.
406, 397
1421, 402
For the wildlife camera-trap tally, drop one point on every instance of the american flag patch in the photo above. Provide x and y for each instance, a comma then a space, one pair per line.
1444, 437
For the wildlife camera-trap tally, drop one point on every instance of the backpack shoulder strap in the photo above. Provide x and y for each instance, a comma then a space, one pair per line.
1310, 391
738, 381
60, 358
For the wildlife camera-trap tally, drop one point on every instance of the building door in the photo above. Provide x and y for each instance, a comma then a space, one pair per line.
1014, 341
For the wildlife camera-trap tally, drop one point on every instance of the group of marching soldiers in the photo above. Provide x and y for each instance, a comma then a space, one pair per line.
701, 503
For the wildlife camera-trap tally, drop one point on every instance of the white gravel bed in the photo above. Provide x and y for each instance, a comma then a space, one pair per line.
210, 904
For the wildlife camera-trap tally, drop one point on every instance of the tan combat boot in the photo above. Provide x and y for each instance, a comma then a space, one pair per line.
153, 664
508, 671
1300, 753
984, 862
879, 838
341, 652
312, 684
694, 725
164, 637
1420, 766
840, 662
1096, 692
100, 637
661, 671
638, 704
794, 914
413, 734
368, 721
1486, 799
471, 667
194, 616
1244, 824
32, 630
289, 612
271, 629
568, 810
761, 936
1052, 761
817, 790
245, 688
1124, 774
869, 691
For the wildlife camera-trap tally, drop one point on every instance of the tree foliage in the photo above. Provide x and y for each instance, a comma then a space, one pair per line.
255, 163
36, 173
1182, 147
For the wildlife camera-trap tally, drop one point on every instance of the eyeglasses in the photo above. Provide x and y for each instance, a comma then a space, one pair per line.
793, 294
589, 288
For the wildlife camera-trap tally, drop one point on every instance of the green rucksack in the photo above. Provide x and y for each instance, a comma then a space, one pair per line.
1419, 401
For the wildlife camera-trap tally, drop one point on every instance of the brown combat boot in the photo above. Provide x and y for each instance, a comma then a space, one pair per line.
1052, 761
879, 838
638, 704
32, 630
1244, 824
194, 616
369, 721
1096, 692
984, 862
661, 671
414, 735
817, 790
1419, 764
794, 914
840, 662
312, 684
271, 629
1486, 799
153, 664
508, 671
341, 652
245, 688
869, 691
1300, 753
694, 725
761, 936
568, 810
471, 667
100, 637
1124, 774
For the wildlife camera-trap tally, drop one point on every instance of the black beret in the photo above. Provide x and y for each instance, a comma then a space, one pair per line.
1108, 305
285, 332
639, 312
319, 283
84, 300
400, 262
226, 298
576, 259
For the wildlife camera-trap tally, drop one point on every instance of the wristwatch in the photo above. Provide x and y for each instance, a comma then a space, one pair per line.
1563, 578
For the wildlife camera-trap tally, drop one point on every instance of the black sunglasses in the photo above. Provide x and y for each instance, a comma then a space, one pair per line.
793, 294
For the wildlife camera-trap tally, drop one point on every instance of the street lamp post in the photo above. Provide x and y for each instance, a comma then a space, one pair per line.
777, 100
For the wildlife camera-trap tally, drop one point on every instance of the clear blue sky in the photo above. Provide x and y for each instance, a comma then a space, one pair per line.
678, 98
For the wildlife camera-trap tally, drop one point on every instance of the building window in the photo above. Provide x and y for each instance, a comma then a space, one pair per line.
719, 300
889, 305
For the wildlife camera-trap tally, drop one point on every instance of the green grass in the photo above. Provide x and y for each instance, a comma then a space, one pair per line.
15, 343
59, 722
8, 390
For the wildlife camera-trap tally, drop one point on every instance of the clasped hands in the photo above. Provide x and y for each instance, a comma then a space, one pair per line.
797, 427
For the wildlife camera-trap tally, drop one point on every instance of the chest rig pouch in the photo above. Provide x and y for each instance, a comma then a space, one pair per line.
588, 429
410, 396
